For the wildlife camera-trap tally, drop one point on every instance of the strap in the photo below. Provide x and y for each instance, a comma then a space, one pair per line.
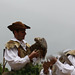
4, 62
65, 58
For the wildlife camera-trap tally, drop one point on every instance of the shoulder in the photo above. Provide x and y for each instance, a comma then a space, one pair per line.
11, 44
27, 44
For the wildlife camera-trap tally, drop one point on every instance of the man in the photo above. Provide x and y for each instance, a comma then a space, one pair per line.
66, 67
16, 53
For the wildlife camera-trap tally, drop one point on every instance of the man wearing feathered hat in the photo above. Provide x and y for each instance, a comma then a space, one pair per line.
16, 53
65, 65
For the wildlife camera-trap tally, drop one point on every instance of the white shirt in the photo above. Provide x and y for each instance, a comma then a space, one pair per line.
63, 69
11, 56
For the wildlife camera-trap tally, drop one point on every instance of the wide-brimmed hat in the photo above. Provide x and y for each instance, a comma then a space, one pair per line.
69, 52
17, 25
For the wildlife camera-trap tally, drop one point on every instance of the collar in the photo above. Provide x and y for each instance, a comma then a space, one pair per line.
14, 39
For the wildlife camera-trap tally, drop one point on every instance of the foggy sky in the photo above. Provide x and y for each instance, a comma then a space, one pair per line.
52, 19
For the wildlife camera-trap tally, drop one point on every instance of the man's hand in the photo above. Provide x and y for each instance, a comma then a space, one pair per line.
34, 54
46, 66
52, 61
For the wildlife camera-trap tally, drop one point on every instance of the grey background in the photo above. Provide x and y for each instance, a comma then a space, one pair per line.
52, 19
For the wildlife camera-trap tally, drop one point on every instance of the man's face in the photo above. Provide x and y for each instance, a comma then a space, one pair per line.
20, 35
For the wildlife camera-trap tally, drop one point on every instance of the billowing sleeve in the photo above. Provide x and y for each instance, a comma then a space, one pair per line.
64, 68
72, 59
42, 73
11, 56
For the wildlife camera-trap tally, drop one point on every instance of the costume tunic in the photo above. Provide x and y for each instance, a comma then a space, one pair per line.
11, 56
63, 69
